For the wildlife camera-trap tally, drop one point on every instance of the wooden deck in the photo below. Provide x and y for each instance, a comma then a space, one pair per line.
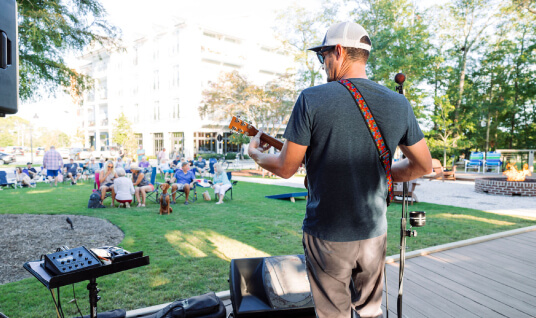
495, 278
491, 279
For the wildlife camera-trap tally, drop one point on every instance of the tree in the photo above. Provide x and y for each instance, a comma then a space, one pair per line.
463, 29
445, 126
12, 130
300, 29
51, 29
267, 107
123, 135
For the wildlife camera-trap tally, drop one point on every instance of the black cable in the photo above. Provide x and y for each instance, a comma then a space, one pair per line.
59, 303
76, 303
55, 305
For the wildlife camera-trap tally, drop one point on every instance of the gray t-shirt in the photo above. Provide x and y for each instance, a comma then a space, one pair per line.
347, 183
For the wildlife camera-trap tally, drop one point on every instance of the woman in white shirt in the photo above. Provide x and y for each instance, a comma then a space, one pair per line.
123, 188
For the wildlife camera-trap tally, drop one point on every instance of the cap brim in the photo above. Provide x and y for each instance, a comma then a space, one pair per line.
316, 48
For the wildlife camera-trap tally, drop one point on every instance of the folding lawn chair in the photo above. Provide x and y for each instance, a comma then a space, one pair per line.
153, 195
4, 182
233, 183
493, 160
476, 160
96, 186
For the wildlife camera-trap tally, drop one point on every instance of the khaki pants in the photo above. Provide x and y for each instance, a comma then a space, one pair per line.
346, 276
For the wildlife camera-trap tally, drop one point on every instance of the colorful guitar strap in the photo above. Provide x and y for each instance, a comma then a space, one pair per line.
385, 155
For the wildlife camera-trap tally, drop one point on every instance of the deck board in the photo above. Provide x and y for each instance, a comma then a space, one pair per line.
491, 279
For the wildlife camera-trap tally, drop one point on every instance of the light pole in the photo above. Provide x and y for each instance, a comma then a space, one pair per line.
31, 137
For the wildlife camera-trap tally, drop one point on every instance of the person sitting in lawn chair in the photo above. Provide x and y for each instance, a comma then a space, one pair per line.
22, 178
221, 182
31, 172
141, 185
123, 188
71, 171
184, 181
165, 168
106, 179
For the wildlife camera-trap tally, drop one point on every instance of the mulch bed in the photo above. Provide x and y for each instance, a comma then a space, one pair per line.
25, 237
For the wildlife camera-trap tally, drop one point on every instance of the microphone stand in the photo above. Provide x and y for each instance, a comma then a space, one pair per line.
399, 79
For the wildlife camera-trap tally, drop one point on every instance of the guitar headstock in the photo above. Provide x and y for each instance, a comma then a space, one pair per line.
242, 127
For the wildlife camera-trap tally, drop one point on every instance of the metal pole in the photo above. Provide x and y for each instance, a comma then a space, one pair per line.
31, 143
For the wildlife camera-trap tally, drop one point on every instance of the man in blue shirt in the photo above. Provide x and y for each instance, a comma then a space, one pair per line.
71, 169
184, 181
345, 240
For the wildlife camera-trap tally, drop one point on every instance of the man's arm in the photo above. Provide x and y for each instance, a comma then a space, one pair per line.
283, 164
417, 163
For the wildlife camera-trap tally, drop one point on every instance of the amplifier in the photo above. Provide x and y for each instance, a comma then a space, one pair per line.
78, 258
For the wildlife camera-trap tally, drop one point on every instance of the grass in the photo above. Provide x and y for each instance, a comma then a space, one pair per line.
190, 249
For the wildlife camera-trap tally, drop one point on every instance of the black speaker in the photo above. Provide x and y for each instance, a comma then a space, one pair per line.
270, 287
9, 68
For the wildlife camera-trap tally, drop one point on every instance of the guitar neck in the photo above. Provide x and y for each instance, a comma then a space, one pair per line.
277, 144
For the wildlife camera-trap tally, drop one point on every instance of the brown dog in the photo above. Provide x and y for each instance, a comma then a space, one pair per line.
165, 207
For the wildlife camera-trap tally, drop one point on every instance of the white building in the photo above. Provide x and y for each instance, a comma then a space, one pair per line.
158, 82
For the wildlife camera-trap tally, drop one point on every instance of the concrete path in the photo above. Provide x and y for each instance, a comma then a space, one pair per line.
455, 193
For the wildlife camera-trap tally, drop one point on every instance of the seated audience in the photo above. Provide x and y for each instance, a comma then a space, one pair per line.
183, 181
31, 172
94, 166
71, 171
123, 188
144, 164
22, 177
119, 163
165, 168
106, 179
175, 164
141, 185
221, 182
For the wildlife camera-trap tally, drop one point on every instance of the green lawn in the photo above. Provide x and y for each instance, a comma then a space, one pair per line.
190, 249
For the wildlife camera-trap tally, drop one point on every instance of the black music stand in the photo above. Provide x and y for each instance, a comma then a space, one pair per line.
54, 281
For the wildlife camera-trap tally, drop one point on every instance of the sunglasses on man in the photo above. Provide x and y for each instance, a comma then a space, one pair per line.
320, 54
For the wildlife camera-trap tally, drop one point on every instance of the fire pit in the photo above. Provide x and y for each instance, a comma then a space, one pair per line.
515, 183
500, 186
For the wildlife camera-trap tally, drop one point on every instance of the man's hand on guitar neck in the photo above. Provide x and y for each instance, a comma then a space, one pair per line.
256, 143
284, 163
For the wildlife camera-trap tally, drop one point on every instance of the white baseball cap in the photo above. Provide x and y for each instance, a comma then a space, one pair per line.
347, 34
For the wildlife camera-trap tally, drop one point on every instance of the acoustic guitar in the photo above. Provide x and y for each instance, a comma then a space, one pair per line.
242, 127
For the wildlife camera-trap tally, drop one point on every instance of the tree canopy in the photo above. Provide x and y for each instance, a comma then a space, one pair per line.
469, 64
49, 30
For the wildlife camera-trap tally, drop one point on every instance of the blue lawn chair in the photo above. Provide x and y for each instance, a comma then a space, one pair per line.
153, 195
476, 160
493, 160
4, 182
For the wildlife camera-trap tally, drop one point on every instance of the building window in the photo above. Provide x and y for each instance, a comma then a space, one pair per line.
175, 75
156, 81
91, 116
139, 139
136, 115
103, 89
175, 112
205, 142
177, 143
156, 111
103, 115
158, 142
